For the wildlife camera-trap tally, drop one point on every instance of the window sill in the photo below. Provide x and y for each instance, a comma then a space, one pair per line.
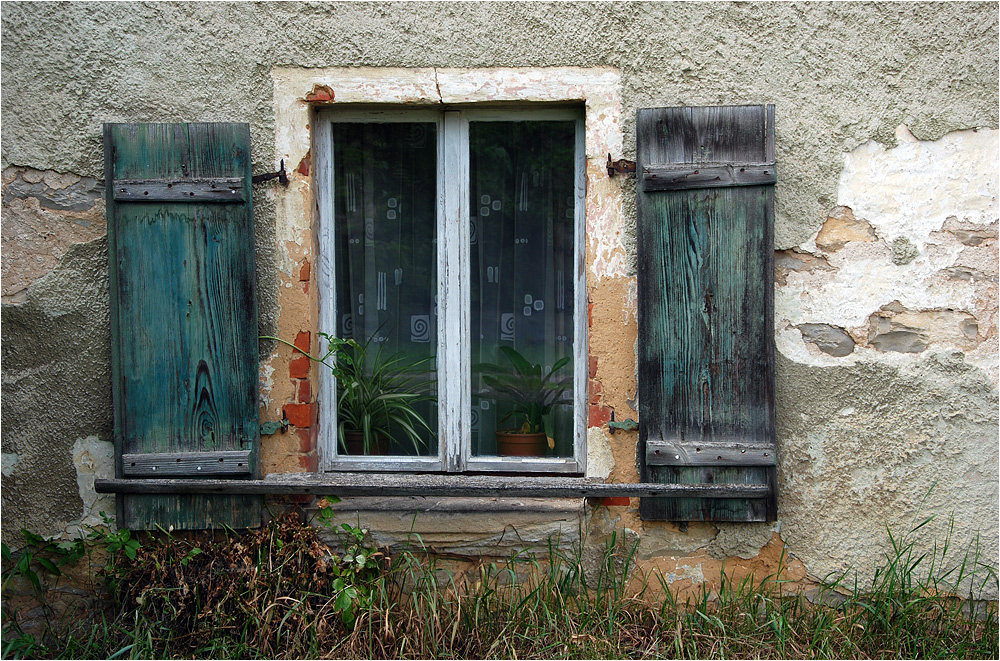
394, 484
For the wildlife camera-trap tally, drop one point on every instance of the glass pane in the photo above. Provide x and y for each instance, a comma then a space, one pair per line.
522, 208
386, 270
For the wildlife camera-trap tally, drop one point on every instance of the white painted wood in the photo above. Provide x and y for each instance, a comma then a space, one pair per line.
453, 290
327, 386
581, 359
454, 398
523, 114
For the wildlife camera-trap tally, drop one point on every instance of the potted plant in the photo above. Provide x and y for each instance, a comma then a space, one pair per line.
376, 396
533, 396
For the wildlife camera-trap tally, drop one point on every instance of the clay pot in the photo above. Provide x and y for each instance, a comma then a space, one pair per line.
513, 444
355, 441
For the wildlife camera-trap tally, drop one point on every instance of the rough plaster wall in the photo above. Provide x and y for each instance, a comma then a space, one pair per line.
840, 74
887, 357
56, 390
873, 446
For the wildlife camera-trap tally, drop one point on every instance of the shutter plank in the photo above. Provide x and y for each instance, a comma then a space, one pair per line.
706, 361
184, 310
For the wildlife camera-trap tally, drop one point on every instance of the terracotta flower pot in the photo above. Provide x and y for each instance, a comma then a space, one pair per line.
513, 444
355, 441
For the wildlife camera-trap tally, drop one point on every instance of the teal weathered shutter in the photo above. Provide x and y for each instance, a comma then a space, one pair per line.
183, 318
705, 212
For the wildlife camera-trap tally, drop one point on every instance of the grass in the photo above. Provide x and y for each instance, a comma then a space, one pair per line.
280, 592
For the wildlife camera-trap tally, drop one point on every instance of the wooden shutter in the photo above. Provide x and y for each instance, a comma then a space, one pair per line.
705, 212
183, 318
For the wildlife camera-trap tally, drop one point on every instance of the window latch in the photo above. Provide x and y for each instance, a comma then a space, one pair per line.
621, 166
280, 175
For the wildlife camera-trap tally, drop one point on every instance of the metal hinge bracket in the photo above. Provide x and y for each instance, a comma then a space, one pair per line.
621, 166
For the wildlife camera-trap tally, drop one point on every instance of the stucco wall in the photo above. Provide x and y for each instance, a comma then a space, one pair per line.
885, 230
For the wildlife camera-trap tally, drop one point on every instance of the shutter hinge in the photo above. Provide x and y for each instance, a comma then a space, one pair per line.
621, 166
625, 425
280, 175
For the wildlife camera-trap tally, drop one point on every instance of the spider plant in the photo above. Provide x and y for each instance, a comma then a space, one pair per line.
377, 393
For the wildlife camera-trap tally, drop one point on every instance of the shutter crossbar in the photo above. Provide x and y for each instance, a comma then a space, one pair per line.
217, 189
707, 175
668, 453
186, 464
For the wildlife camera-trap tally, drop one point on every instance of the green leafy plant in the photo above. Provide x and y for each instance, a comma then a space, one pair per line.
532, 393
41, 555
354, 569
377, 394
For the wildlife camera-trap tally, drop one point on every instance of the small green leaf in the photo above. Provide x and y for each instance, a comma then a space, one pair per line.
48, 565
342, 602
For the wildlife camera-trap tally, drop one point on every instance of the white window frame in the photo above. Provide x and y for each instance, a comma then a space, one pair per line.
454, 392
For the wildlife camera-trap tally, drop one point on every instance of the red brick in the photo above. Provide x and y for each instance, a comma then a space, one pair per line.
599, 415
593, 367
304, 164
303, 393
302, 340
309, 462
305, 440
320, 93
301, 415
305, 271
298, 367
595, 390
620, 501
590, 314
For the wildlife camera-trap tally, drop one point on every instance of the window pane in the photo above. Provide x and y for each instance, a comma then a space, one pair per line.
522, 257
385, 216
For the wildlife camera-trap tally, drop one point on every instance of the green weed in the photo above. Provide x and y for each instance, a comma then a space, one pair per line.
280, 592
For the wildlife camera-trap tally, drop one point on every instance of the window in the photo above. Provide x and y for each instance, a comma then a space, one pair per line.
454, 245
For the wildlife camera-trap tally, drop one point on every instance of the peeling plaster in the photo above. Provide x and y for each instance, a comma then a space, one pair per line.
93, 459
600, 459
924, 201
44, 213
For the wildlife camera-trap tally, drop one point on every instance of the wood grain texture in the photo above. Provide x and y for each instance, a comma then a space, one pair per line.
684, 177
666, 453
391, 485
706, 308
218, 189
184, 313
230, 463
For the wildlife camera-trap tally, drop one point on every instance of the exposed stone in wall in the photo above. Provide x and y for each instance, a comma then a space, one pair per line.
44, 213
796, 260
894, 328
840, 228
828, 339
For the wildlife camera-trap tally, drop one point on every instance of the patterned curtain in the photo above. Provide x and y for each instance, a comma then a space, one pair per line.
522, 257
386, 263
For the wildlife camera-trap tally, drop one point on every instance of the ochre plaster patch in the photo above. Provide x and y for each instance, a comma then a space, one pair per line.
44, 213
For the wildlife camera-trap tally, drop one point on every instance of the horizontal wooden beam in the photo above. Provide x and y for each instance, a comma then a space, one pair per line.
217, 189
380, 484
707, 175
186, 464
676, 453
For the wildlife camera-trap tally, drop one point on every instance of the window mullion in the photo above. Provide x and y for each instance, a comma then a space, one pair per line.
581, 349
325, 191
454, 394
